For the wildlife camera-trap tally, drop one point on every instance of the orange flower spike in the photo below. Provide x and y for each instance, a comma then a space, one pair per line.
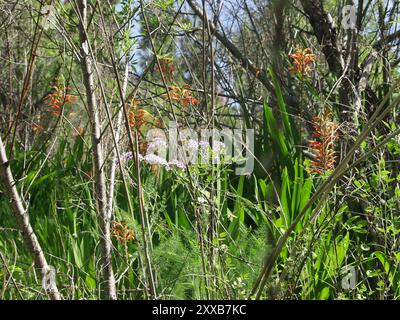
323, 147
190, 100
167, 67
182, 95
137, 118
303, 61
174, 94
122, 233
58, 99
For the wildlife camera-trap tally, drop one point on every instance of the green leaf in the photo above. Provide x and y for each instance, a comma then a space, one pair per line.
324, 294
90, 282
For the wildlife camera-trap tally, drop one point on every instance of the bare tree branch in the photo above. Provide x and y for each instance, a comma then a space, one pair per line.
244, 61
98, 159
22, 217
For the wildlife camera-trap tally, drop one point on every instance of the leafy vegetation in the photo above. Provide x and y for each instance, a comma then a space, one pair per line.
92, 203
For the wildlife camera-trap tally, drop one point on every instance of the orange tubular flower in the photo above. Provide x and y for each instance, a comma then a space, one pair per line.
122, 233
138, 118
182, 96
58, 99
323, 147
167, 67
303, 61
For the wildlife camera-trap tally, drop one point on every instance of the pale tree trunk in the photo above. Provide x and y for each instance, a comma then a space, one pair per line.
29, 236
98, 161
114, 160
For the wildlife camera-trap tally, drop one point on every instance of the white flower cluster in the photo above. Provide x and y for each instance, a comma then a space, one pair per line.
153, 159
126, 156
159, 145
176, 163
